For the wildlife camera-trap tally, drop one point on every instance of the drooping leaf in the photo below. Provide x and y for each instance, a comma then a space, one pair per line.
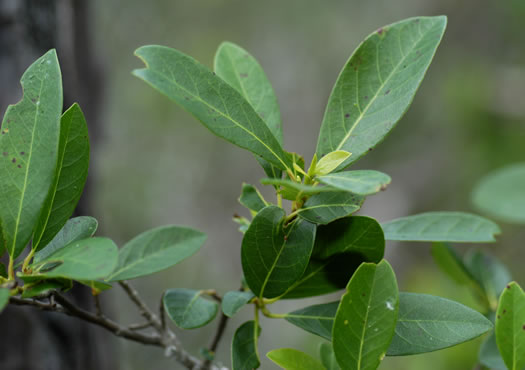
501, 194
489, 355
292, 359
490, 273
242, 71
456, 227
324, 208
155, 250
451, 264
28, 151
70, 177
377, 85
251, 198
245, 354
510, 326
233, 301
317, 319
428, 323
330, 162
4, 298
366, 317
362, 182
87, 259
274, 256
75, 229
356, 234
212, 101
188, 309
327, 355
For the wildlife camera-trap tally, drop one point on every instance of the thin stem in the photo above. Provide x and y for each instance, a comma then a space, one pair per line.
98, 307
10, 269
143, 308
267, 313
28, 259
217, 338
279, 200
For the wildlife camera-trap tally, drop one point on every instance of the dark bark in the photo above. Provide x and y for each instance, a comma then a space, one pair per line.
34, 340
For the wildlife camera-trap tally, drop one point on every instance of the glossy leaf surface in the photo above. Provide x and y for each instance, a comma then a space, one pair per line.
251, 198
29, 139
362, 182
188, 309
324, 208
244, 347
377, 85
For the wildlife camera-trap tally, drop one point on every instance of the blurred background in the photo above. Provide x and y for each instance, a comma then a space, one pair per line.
153, 164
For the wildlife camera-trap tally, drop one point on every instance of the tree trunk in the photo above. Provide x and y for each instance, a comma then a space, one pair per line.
34, 340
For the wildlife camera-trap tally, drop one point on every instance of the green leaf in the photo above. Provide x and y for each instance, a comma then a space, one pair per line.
356, 234
293, 190
451, 264
427, 323
211, 100
327, 355
490, 273
274, 256
29, 147
501, 194
45, 286
292, 359
456, 227
363, 182
251, 198
188, 309
87, 259
75, 229
244, 347
377, 85
3, 270
240, 69
233, 301
4, 298
489, 355
366, 318
330, 162
510, 326
324, 208
317, 319
155, 250
70, 177
96, 285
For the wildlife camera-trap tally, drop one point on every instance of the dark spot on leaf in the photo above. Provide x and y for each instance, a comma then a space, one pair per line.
8, 121
498, 316
404, 66
363, 294
380, 31
286, 237
504, 312
347, 115
214, 73
366, 97
317, 217
22, 153
387, 92
187, 97
416, 21
508, 286
523, 327
19, 166
5, 154
370, 149
33, 100
13, 160
418, 52
243, 75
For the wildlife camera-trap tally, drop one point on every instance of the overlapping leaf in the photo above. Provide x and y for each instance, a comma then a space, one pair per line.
70, 177
442, 227
324, 208
326, 352
292, 359
317, 319
362, 182
251, 198
233, 301
244, 347
215, 103
188, 309
377, 85
28, 151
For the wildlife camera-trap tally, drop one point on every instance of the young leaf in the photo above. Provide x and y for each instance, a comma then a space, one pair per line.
427, 323
327, 355
244, 347
240, 69
330, 162
442, 227
317, 319
324, 208
28, 151
233, 301
451, 264
501, 195
75, 229
188, 309
489, 355
510, 326
211, 100
4, 298
356, 234
291, 189
292, 359
366, 317
70, 177
87, 259
273, 256
377, 85
155, 250
490, 273
251, 198
362, 182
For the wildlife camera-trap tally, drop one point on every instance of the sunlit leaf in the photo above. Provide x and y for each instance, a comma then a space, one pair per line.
362, 182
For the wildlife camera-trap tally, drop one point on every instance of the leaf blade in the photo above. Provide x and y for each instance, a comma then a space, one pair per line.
244, 347
327, 207
233, 301
188, 309
292, 359
361, 182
